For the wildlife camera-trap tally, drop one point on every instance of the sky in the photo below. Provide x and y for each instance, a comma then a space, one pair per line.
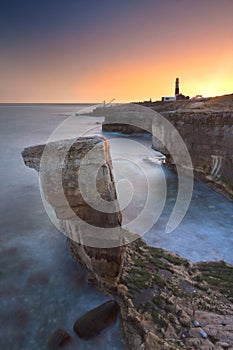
73, 51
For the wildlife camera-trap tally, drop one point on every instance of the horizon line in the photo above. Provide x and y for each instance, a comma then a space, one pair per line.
86, 103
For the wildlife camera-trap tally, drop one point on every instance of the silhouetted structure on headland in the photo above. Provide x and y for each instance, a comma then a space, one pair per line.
178, 95
177, 87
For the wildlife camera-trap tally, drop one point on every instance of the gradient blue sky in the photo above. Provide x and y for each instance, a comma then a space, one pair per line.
83, 51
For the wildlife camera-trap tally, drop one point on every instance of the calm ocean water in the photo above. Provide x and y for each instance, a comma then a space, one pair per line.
42, 288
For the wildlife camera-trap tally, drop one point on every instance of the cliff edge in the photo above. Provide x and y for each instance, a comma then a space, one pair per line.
166, 302
94, 235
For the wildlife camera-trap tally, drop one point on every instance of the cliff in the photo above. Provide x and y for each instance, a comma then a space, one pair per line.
73, 175
126, 118
205, 125
166, 302
208, 138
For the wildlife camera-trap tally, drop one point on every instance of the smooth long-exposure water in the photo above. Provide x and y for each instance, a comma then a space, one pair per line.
42, 288
206, 232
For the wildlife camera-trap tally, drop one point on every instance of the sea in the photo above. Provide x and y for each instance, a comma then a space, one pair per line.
41, 287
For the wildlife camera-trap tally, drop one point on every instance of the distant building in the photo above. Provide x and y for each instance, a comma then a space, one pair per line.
168, 98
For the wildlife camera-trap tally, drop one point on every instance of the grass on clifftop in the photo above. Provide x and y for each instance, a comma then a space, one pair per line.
168, 289
147, 263
218, 275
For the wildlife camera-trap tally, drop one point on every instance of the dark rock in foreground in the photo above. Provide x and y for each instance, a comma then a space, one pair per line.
95, 321
58, 339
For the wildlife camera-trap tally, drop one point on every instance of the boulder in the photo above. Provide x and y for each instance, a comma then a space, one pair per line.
95, 321
58, 339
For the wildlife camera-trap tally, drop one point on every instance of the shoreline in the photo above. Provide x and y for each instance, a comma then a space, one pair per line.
217, 186
157, 308
160, 294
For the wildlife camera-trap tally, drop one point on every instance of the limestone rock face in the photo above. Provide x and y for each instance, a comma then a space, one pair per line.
126, 118
206, 128
76, 180
165, 301
208, 138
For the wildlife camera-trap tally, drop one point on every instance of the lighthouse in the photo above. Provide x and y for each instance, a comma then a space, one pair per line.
177, 88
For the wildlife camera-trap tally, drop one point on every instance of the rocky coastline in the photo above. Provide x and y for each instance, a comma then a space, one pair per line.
165, 301
169, 303
205, 126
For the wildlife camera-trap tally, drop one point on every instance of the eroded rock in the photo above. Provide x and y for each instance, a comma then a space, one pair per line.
77, 181
175, 291
165, 319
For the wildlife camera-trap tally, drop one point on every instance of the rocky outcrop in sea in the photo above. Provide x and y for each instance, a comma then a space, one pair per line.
94, 236
165, 301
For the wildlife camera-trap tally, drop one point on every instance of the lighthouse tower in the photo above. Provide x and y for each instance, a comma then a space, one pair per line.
177, 88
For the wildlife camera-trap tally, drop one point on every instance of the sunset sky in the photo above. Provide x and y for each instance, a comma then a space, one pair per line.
94, 50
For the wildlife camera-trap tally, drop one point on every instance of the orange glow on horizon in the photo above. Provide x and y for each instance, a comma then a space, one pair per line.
205, 74
132, 60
